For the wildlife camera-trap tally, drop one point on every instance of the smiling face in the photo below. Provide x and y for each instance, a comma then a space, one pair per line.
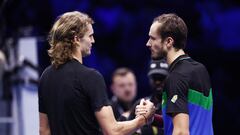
86, 41
155, 43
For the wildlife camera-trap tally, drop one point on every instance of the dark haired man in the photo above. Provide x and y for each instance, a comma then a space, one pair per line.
187, 94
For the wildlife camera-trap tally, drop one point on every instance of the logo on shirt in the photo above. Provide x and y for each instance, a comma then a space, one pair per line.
174, 98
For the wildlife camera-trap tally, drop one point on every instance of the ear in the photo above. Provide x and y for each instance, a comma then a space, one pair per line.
169, 41
76, 39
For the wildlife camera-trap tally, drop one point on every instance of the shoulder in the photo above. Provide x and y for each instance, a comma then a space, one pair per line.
94, 72
82, 70
46, 72
194, 64
194, 68
176, 76
176, 80
89, 76
186, 67
91, 72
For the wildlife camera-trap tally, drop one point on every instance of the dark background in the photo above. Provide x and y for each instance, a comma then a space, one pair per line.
121, 32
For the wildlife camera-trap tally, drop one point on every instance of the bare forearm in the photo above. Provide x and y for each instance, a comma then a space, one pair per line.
181, 124
45, 132
128, 127
180, 132
44, 128
110, 126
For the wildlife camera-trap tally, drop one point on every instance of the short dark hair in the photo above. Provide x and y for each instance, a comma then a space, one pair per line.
121, 72
172, 26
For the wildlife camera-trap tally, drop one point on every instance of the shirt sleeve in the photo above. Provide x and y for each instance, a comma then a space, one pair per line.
41, 105
176, 87
95, 87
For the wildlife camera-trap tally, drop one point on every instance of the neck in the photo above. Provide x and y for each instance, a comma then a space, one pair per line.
78, 56
173, 54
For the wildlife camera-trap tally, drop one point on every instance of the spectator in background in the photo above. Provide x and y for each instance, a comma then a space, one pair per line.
124, 89
158, 71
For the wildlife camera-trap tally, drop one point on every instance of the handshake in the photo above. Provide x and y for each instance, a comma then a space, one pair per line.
146, 109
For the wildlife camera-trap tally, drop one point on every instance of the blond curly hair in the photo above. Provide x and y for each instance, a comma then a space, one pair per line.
61, 36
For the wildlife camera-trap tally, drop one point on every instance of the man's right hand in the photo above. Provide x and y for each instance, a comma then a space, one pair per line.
145, 108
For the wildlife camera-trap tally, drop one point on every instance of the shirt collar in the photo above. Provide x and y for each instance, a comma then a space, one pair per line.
179, 58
